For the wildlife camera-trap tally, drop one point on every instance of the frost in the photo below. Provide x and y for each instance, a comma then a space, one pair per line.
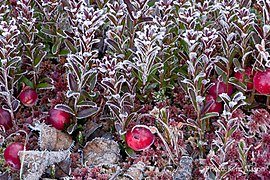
36, 162
199, 99
135, 171
266, 29
231, 104
51, 138
264, 55
147, 49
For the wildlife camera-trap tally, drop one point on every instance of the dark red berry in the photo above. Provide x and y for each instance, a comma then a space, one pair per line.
246, 75
219, 88
139, 138
58, 118
216, 106
28, 97
261, 81
5, 119
11, 155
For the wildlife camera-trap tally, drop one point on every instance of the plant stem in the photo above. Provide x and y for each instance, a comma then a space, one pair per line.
267, 101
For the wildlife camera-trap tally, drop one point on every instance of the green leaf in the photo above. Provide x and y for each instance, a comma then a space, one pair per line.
220, 69
47, 31
129, 119
72, 48
232, 130
237, 83
183, 70
44, 85
64, 52
192, 96
130, 152
237, 64
61, 33
56, 47
38, 59
209, 115
27, 82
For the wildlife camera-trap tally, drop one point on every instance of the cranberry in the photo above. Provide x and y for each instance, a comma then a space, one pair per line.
262, 81
139, 138
11, 155
28, 97
58, 118
216, 106
219, 88
5, 119
240, 76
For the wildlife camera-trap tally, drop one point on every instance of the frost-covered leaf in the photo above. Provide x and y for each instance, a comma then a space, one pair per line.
237, 83
15, 104
209, 115
193, 98
64, 107
84, 113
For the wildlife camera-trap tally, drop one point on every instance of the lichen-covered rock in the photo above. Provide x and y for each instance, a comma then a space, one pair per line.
52, 139
101, 151
135, 172
36, 162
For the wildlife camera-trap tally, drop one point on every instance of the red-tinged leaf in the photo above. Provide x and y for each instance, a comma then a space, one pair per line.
118, 126
89, 78
113, 45
112, 18
259, 30
130, 8
85, 113
72, 83
108, 85
129, 119
86, 104
65, 108
15, 104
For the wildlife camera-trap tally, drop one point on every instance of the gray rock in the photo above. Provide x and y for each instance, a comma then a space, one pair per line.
184, 171
135, 172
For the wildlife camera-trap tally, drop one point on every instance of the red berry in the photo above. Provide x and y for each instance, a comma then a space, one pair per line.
262, 81
58, 118
216, 106
139, 138
219, 88
28, 97
11, 155
5, 119
240, 76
